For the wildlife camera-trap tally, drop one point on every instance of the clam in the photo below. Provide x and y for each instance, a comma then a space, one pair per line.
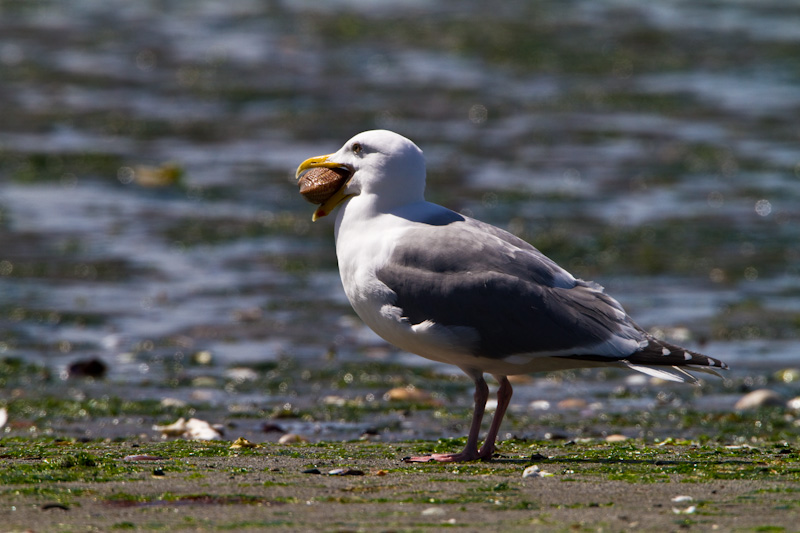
318, 184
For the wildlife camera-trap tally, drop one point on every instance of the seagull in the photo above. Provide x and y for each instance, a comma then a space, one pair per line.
456, 290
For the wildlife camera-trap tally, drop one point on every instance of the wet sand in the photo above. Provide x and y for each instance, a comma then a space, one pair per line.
593, 487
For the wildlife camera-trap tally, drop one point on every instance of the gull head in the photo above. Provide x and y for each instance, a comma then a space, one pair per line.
379, 164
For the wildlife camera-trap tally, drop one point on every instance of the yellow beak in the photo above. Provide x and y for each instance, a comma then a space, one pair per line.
337, 198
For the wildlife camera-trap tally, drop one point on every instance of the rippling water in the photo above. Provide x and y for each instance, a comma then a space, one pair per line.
148, 211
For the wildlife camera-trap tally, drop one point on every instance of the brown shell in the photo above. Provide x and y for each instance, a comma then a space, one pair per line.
320, 183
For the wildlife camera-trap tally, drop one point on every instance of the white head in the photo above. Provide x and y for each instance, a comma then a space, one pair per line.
385, 166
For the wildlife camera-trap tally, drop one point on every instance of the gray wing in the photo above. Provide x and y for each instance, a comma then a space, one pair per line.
470, 274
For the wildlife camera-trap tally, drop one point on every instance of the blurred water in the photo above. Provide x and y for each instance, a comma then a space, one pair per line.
651, 147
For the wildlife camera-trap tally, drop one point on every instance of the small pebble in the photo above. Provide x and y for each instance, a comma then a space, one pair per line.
572, 403
252, 314
636, 380
345, 472
193, 429
142, 457
89, 368
242, 442
158, 472
409, 394
336, 401
312, 471
681, 499
271, 427
172, 402
370, 434
788, 375
539, 405
433, 511
49, 506
203, 357
241, 374
200, 382
163, 175
291, 438
534, 471
758, 398
616, 438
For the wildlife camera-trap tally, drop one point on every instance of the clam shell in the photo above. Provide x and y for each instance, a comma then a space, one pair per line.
320, 183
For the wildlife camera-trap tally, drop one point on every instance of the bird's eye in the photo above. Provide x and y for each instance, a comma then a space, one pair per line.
357, 148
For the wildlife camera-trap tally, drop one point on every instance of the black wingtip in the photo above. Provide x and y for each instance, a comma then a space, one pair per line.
662, 353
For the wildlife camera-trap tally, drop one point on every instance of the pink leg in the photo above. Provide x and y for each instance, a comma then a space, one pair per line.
503, 399
470, 451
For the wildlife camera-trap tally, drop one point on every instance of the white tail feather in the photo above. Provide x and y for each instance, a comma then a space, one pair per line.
661, 373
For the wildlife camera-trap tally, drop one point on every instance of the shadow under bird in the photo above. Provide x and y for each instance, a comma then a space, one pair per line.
456, 290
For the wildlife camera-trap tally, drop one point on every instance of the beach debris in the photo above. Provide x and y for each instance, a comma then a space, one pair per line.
757, 399
200, 382
681, 499
410, 394
636, 380
739, 447
192, 429
176, 429
689, 510
572, 403
164, 175
292, 438
3, 416
616, 437
87, 368
535, 471
271, 427
242, 442
203, 357
788, 375
539, 405
51, 506
794, 403
141, 457
241, 374
345, 472
433, 511
312, 471
172, 403
336, 401
370, 434
251, 314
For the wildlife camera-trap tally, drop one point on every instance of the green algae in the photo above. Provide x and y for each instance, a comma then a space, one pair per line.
45, 167
45, 408
199, 475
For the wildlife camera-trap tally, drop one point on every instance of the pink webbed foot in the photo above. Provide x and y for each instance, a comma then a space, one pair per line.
471, 452
460, 457
442, 458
